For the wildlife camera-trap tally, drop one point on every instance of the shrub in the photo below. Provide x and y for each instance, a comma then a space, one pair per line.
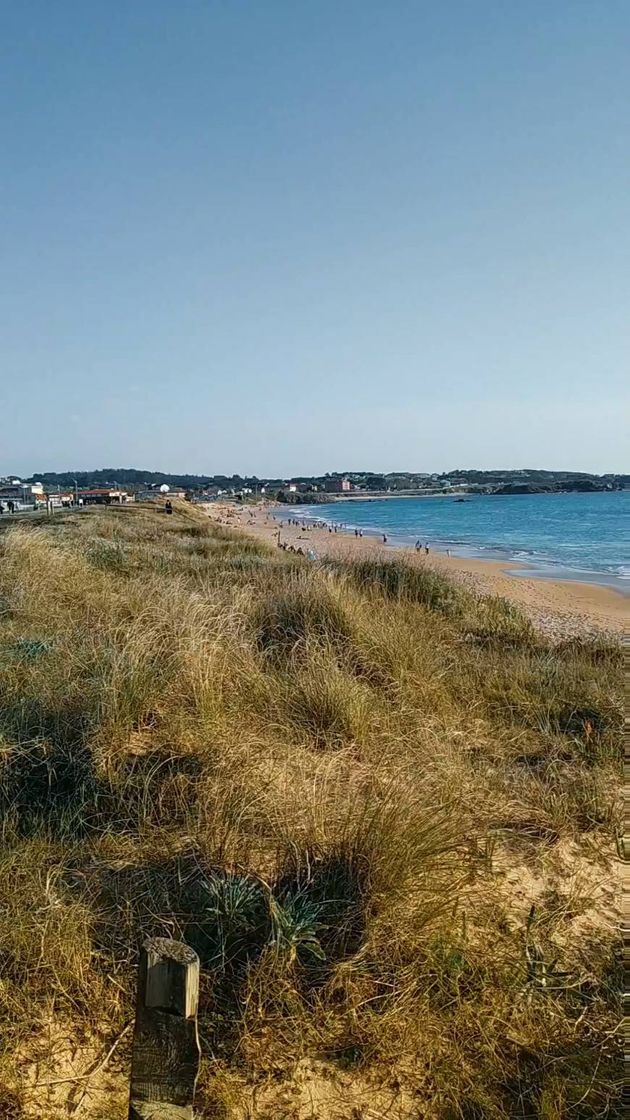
398, 580
300, 614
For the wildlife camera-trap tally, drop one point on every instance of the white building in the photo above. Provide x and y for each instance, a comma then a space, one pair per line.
26, 495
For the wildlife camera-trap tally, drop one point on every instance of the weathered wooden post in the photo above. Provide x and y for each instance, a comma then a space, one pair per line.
165, 1059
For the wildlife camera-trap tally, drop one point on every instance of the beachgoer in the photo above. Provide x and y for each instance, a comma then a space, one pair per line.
448, 552
384, 538
426, 549
418, 546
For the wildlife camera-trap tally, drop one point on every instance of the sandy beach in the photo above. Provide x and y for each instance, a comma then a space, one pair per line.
562, 608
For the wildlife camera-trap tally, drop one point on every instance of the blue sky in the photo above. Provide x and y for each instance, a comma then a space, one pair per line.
287, 237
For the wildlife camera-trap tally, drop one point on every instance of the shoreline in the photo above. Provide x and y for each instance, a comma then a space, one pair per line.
521, 563
518, 567
562, 607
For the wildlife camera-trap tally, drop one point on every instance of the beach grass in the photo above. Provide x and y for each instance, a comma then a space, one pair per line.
381, 807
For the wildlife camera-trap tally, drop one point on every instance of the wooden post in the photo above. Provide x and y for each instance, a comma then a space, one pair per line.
165, 1059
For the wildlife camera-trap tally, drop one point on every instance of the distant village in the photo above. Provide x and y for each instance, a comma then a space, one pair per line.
17, 495
118, 486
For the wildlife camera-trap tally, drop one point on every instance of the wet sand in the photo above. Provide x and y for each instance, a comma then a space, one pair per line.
560, 607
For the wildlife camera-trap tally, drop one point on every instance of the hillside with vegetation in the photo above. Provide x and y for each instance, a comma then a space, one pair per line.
491, 481
381, 809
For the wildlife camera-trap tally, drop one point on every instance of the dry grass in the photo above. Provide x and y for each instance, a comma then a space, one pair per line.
379, 807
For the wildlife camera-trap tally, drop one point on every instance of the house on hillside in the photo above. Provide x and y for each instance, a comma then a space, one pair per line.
299, 487
337, 485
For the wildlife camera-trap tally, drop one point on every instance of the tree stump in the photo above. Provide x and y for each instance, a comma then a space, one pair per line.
165, 1059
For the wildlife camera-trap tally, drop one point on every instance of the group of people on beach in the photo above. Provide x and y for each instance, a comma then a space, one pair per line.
323, 526
299, 551
308, 528
291, 548
334, 528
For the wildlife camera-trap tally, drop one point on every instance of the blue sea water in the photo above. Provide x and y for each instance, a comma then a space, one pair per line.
568, 535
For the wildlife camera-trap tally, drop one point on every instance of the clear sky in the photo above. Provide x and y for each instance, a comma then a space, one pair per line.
285, 237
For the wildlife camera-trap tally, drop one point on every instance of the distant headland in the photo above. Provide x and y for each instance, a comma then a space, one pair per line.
317, 488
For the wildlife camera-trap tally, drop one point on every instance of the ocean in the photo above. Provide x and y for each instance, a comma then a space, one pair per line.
573, 535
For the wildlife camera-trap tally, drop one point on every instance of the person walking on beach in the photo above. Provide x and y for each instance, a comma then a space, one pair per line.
384, 538
418, 546
426, 550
